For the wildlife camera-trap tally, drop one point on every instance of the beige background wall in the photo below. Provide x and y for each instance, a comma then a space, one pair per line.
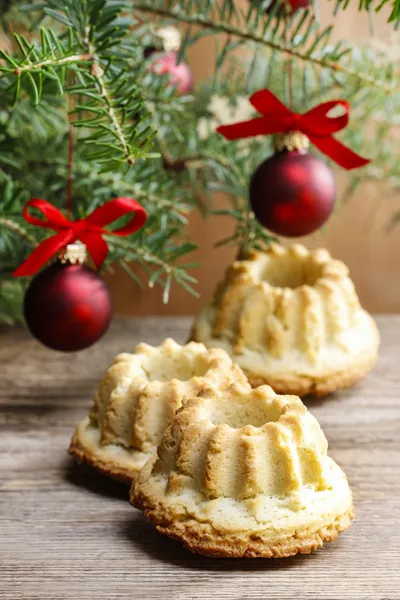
356, 235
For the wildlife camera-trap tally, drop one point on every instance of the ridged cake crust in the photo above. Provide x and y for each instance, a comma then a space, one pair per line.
291, 319
244, 473
137, 399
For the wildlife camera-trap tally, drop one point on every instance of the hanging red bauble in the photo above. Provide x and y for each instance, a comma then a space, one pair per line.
68, 306
292, 193
296, 4
291, 6
180, 75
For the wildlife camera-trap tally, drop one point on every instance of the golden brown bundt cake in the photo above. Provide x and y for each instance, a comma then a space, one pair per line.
291, 319
139, 396
244, 473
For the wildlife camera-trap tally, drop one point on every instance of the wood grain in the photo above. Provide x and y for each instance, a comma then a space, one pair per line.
68, 533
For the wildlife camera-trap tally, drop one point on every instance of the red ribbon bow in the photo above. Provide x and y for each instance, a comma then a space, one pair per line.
89, 230
315, 124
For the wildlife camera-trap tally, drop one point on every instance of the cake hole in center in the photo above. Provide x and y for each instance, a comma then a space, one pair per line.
290, 272
180, 366
239, 412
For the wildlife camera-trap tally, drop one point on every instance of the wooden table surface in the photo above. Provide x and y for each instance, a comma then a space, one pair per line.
68, 533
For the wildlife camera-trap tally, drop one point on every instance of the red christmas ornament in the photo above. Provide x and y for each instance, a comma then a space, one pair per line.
68, 306
296, 4
180, 75
292, 5
292, 193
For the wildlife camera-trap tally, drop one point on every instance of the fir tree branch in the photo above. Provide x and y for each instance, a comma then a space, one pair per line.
16, 228
218, 26
98, 73
160, 202
52, 62
140, 194
171, 272
109, 89
198, 161
369, 5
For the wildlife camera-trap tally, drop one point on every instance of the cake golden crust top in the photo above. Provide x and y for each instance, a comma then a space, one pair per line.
139, 396
247, 470
291, 318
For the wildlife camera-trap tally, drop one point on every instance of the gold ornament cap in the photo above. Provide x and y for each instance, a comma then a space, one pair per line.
73, 254
291, 140
171, 37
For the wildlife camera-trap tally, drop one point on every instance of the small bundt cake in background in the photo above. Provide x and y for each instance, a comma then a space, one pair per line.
138, 398
244, 473
291, 319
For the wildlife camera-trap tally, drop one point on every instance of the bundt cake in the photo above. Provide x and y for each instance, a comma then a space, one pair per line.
291, 319
139, 396
244, 473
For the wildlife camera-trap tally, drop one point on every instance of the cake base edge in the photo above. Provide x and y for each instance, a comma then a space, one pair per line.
122, 467
203, 539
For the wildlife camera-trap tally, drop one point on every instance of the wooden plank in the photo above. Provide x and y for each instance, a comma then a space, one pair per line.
67, 533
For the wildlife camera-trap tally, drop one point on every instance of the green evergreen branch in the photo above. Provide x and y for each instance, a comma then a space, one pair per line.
95, 27
196, 162
368, 5
171, 272
245, 33
98, 73
140, 194
16, 228
183, 209
35, 67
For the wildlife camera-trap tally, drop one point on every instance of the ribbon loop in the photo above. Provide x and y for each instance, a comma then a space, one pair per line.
54, 218
319, 121
111, 211
266, 102
316, 124
89, 231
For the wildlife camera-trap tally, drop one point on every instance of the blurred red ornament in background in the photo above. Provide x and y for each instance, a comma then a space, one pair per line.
292, 193
289, 5
296, 4
180, 75
68, 307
